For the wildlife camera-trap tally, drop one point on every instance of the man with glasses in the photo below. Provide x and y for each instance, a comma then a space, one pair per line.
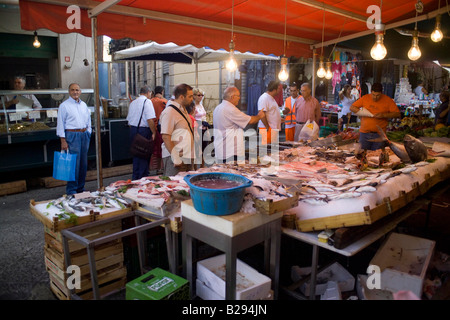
306, 108
229, 123
289, 112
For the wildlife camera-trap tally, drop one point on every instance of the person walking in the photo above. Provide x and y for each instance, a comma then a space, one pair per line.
159, 104
141, 119
270, 124
229, 122
177, 132
345, 116
74, 130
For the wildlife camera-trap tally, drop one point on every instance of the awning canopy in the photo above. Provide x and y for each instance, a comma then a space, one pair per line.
257, 25
184, 54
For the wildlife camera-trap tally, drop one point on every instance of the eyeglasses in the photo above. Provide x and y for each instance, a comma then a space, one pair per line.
199, 95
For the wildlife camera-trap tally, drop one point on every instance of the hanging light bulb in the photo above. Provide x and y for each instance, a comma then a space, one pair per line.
283, 75
378, 51
231, 64
321, 72
414, 52
36, 42
437, 34
328, 74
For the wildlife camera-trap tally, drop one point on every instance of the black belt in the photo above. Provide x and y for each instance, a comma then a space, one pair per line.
76, 130
298, 122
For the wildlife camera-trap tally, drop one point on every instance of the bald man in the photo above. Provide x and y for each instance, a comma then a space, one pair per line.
229, 123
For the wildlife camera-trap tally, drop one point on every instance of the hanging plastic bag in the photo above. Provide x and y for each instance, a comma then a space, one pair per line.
310, 131
64, 165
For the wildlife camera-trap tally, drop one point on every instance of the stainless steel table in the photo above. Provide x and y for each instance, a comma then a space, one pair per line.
232, 234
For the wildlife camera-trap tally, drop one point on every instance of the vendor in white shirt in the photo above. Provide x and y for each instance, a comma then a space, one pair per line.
12, 100
229, 122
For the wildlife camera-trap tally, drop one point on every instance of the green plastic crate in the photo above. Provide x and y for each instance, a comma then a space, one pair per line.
158, 284
326, 130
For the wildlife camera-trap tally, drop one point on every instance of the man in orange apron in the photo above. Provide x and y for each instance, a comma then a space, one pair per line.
289, 111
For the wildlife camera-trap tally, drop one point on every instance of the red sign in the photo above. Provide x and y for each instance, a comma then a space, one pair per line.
67, 59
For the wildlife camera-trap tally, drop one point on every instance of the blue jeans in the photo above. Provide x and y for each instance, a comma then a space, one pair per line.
140, 166
370, 145
78, 143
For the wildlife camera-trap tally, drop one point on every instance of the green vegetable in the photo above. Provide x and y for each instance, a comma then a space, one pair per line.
165, 178
123, 189
183, 193
430, 160
157, 186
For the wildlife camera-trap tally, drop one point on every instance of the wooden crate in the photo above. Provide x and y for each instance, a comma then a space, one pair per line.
13, 187
175, 224
56, 224
59, 288
269, 206
109, 258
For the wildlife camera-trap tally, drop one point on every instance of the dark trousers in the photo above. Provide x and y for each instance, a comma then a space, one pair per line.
78, 143
140, 165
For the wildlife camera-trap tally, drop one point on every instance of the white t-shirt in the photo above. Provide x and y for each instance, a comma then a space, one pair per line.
180, 130
267, 103
346, 104
229, 123
135, 110
418, 91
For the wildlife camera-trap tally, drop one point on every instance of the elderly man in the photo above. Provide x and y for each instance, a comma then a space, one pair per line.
270, 124
177, 132
383, 108
74, 130
229, 123
141, 119
12, 100
306, 108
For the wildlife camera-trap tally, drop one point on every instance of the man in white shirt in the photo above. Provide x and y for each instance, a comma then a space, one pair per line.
12, 100
141, 109
74, 130
420, 90
177, 132
270, 124
229, 122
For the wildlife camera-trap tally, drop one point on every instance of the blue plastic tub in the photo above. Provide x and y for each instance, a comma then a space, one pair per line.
217, 202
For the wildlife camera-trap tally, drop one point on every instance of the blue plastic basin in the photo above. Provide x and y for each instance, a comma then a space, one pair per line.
217, 202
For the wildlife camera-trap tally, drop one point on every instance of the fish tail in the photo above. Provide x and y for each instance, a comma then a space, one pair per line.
382, 135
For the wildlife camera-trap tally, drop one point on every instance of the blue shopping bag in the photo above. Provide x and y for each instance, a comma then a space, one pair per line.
64, 165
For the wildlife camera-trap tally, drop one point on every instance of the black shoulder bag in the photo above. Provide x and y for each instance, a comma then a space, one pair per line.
141, 147
179, 111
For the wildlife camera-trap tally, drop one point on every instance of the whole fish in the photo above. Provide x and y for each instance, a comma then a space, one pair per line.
397, 148
416, 149
366, 189
314, 201
345, 195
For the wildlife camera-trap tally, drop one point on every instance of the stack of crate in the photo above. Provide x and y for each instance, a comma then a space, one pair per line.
109, 257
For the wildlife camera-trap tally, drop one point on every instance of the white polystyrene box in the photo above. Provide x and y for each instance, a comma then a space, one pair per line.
335, 272
403, 261
206, 293
250, 284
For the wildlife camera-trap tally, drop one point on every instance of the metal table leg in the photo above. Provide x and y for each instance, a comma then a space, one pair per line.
314, 262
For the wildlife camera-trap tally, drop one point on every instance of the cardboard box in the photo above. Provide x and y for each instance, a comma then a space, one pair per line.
334, 272
250, 284
403, 261
158, 284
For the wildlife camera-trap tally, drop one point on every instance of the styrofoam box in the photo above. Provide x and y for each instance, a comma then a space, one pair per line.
334, 272
207, 293
250, 284
403, 261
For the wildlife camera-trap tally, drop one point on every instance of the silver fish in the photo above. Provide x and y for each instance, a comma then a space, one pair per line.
397, 148
421, 164
345, 195
415, 148
366, 189
408, 169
